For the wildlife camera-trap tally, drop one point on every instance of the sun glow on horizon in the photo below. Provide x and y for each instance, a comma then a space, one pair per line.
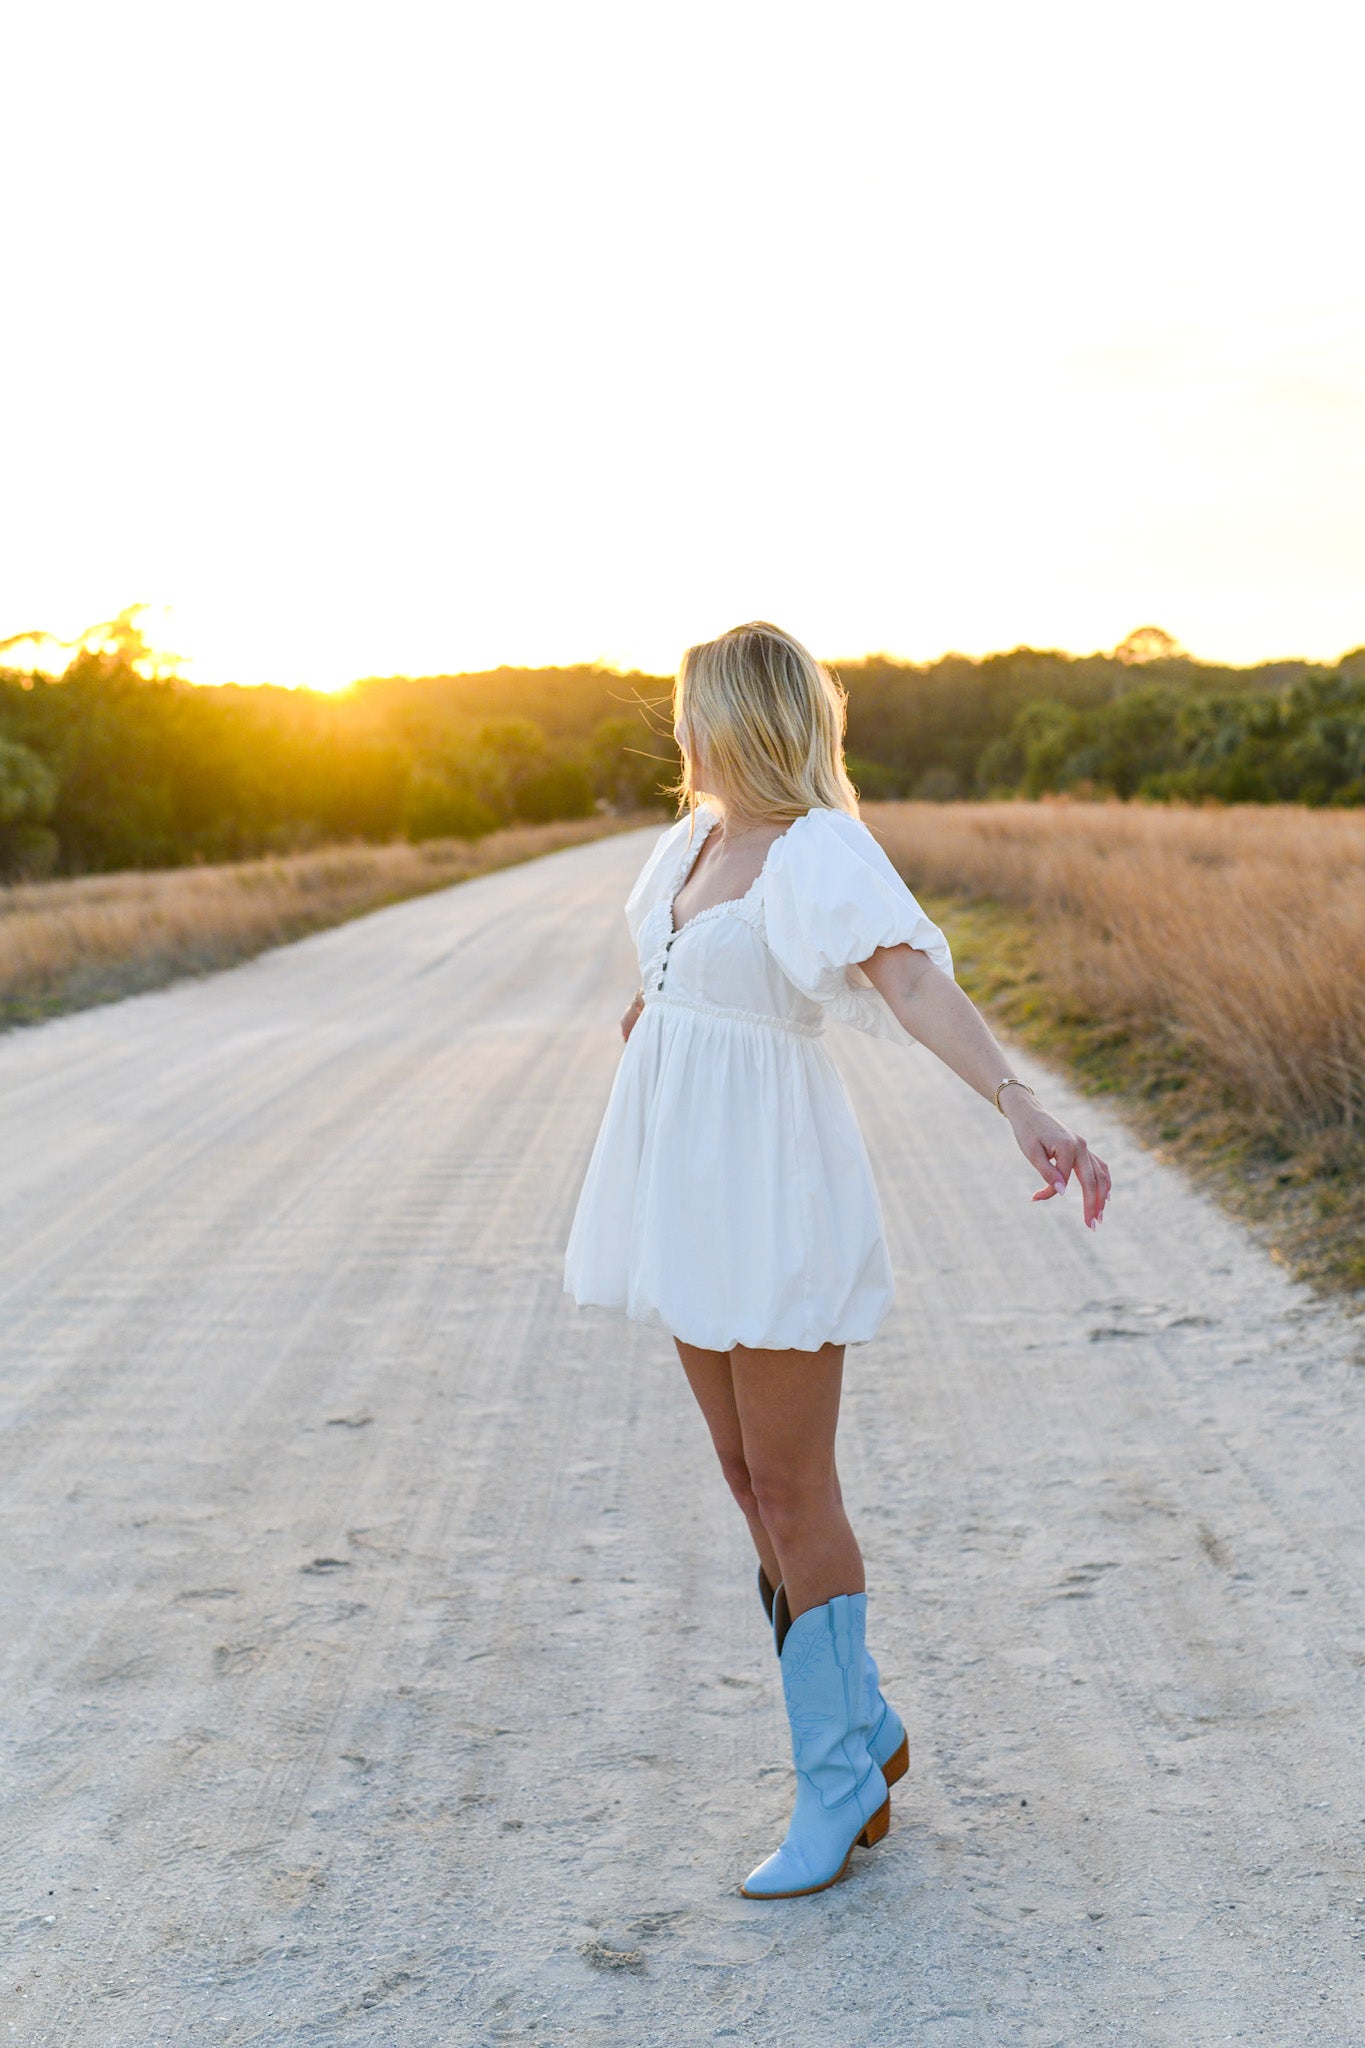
448, 340
44, 654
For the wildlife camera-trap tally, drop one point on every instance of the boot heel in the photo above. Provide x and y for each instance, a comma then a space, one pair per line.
877, 1826
898, 1763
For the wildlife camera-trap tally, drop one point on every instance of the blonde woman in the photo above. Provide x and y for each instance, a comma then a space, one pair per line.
729, 1197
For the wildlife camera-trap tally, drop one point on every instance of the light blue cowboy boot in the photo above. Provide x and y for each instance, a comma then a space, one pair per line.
887, 1742
841, 1795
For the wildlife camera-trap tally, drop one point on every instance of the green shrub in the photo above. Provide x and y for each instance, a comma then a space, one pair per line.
561, 790
438, 808
28, 791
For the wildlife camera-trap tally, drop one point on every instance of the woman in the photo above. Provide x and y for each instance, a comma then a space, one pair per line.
729, 1197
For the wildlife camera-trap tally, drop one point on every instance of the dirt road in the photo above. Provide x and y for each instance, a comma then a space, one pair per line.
382, 1661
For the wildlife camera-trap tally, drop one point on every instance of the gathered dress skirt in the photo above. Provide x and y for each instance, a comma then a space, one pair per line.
729, 1197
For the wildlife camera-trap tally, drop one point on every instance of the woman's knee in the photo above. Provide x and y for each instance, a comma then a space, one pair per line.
790, 1502
736, 1471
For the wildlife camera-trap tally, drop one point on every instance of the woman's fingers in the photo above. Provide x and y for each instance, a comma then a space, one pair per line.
1092, 1186
1093, 1175
631, 1017
1057, 1159
1055, 1176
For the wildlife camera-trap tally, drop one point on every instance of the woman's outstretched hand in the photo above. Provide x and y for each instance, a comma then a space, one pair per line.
939, 1013
1058, 1153
637, 1003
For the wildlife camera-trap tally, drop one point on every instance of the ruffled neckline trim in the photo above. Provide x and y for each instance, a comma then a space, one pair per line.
730, 904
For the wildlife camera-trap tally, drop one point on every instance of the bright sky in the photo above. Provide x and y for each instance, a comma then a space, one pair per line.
428, 335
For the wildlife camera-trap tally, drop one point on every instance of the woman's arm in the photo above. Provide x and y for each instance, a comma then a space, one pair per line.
943, 1016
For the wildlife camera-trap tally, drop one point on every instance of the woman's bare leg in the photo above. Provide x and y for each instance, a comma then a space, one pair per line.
709, 1376
787, 1403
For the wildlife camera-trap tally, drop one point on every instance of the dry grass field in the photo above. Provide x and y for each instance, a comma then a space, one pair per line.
1206, 964
67, 944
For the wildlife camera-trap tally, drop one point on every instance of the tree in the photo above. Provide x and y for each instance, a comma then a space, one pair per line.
28, 790
1148, 643
627, 774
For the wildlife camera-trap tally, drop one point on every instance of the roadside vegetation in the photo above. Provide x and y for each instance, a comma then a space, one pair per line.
67, 944
1204, 966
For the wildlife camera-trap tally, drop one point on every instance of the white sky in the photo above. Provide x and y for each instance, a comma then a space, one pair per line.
410, 337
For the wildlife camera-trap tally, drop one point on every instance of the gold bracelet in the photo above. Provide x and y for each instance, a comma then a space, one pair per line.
1011, 1081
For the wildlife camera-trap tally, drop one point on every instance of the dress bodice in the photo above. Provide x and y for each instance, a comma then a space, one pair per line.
785, 953
721, 961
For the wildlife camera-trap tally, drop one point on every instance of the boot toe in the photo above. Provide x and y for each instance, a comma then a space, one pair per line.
782, 1873
818, 1843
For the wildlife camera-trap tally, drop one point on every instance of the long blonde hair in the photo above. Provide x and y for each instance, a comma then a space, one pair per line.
772, 719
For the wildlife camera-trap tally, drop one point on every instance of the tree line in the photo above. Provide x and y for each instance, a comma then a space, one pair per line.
1146, 721
103, 767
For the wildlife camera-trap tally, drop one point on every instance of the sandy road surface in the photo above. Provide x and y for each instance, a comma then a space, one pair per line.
382, 1661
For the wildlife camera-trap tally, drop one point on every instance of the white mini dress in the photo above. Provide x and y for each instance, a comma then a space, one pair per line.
729, 1198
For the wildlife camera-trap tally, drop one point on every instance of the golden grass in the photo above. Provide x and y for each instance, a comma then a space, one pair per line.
70, 943
1206, 964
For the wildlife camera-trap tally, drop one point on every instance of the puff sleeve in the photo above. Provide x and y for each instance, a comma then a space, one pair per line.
831, 897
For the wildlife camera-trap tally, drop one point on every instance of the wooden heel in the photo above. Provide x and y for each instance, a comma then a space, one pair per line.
877, 1826
898, 1763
